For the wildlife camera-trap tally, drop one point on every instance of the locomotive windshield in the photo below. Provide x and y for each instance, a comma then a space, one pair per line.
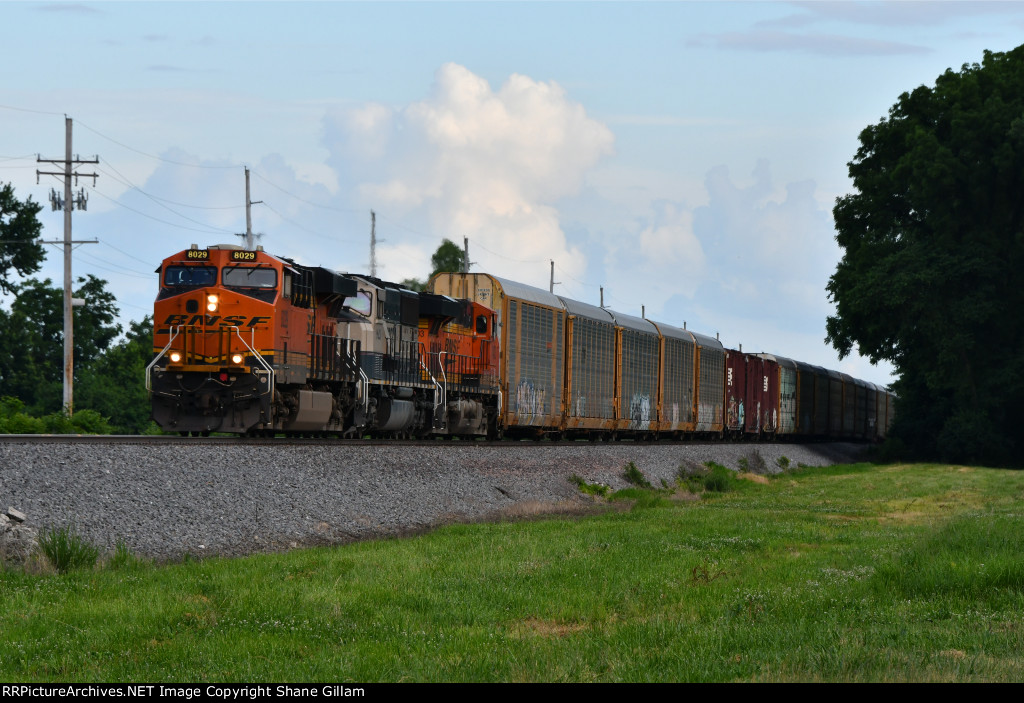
362, 303
250, 277
190, 276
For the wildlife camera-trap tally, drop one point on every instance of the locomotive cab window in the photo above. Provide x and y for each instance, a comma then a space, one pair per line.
250, 277
190, 276
362, 303
481, 324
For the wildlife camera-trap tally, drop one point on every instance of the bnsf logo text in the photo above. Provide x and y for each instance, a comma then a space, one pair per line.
216, 320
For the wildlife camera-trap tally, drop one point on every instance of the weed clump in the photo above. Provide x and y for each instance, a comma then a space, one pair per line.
635, 477
711, 477
783, 462
122, 558
720, 479
67, 549
591, 489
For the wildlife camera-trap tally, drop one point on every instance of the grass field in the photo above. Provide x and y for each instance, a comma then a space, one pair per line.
850, 573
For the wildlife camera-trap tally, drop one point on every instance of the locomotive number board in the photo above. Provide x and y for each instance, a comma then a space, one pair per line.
243, 256
197, 255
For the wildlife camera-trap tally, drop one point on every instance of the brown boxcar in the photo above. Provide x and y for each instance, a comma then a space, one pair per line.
784, 396
835, 403
762, 395
736, 401
849, 406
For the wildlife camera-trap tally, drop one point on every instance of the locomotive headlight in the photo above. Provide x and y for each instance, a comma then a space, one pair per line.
175, 357
211, 303
236, 358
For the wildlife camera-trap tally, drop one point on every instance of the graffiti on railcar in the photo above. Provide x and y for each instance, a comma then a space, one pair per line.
531, 402
640, 411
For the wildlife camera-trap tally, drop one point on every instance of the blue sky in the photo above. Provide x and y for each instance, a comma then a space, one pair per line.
683, 155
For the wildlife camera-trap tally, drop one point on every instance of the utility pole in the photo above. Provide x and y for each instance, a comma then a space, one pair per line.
551, 285
465, 254
67, 204
248, 213
373, 243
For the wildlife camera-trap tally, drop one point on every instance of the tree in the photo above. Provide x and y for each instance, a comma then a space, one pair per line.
32, 339
19, 234
448, 257
933, 242
113, 384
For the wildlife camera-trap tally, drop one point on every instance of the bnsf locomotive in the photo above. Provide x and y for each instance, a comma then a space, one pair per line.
247, 342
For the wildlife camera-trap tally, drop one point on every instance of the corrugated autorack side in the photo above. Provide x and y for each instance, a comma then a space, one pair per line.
250, 343
572, 369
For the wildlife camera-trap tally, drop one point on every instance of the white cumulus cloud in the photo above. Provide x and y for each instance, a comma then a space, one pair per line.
471, 161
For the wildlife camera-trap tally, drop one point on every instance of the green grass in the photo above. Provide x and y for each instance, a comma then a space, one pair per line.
853, 573
66, 549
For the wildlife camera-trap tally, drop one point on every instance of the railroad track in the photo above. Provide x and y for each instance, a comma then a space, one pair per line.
439, 441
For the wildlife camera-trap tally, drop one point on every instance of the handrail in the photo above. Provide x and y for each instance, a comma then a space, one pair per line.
365, 383
444, 377
149, 369
259, 358
437, 385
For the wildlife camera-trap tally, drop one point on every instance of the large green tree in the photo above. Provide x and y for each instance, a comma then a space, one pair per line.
448, 257
113, 384
933, 241
32, 339
20, 251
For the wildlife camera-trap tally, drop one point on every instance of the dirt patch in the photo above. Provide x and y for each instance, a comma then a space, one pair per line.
538, 508
904, 516
536, 627
756, 478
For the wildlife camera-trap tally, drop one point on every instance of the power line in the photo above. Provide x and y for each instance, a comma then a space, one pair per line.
121, 178
301, 199
157, 202
209, 229
153, 156
147, 263
124, 272
37, 112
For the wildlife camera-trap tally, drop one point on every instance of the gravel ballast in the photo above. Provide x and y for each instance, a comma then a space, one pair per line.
168, 501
